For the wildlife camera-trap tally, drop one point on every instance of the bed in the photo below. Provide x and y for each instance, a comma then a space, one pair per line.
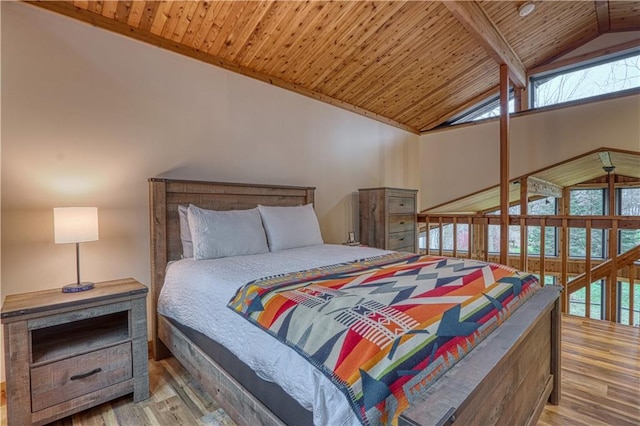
507, 378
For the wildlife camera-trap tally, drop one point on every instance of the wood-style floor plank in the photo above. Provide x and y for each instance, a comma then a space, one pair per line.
600, 386
600, 375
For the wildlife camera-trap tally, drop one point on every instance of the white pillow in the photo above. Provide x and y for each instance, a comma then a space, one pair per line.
290, 227
185, 233
226, 233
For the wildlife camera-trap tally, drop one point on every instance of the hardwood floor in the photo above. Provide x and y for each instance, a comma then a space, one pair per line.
600, 375
600, 386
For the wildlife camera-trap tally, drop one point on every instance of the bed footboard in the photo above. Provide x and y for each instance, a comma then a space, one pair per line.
507, 379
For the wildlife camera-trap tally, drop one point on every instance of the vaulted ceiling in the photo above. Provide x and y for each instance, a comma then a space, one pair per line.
411, 64
585, 168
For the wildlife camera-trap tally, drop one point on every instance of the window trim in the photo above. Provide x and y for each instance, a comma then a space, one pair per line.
550, 74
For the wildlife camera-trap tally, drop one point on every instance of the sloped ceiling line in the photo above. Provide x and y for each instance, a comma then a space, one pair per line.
412, 65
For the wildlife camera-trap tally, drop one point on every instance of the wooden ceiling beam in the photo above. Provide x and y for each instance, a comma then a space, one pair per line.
475, 20
602, 12
537, 186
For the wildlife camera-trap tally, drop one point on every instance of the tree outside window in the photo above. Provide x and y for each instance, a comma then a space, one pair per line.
586, 202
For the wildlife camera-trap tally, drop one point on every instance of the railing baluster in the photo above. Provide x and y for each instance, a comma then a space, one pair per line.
440, 236
427, 234
455, 236
609, 270
485, 248
469, 241
587, 269
564, 256
632, 276
523, 244
543, 222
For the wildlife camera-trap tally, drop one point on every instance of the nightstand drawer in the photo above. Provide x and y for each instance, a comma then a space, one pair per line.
402, 205
61, 381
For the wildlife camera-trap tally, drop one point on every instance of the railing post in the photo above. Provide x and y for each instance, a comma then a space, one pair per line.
524, 210
612, 281
564, 248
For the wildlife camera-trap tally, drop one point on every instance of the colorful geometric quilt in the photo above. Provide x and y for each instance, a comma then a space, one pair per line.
383, 329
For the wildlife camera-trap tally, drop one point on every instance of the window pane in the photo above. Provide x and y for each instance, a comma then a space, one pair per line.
599, 79
434, 238
629, 239
577, 302
543, 206
463, 237
578, 246
623, 292
586, 202
630, 202
486, 109
629, 206
494, 239
596, 300
549, 240
447, 237
636, 305
548, 279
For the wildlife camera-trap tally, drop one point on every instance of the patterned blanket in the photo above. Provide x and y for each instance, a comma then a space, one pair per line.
383, 329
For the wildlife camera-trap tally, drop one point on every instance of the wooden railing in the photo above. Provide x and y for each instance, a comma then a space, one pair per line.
584, 271
604, 269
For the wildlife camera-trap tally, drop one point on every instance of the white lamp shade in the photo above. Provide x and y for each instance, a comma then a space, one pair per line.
75, 224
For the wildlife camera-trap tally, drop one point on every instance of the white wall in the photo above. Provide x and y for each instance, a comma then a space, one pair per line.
602, 42
89, 115
448, 158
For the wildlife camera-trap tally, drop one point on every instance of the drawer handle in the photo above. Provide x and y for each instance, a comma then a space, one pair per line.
402, 223
401, 239
401, 204
84, 375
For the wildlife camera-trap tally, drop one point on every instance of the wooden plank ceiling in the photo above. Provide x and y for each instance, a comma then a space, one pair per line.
410, 64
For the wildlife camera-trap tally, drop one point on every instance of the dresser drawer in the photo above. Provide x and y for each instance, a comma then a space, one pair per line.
402, 223
401, 240
64, 380
402, 205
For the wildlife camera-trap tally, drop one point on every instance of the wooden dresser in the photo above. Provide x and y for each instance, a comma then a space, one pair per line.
65, 352
388, 218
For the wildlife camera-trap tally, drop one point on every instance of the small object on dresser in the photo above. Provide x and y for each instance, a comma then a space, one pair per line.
351, 237
66, 353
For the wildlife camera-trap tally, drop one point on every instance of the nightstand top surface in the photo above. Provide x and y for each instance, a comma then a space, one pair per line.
16, 306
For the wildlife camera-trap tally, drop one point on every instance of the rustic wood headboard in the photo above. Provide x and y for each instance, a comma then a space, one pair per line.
165, 195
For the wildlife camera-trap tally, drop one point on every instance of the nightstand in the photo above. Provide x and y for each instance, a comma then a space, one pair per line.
66, 352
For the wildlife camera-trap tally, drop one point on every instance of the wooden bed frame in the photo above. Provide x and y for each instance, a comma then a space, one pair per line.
506, 379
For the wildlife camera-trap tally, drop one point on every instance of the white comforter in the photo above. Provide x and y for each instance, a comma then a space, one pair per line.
196, 293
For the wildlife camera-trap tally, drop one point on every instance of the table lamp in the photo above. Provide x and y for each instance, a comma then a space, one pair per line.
75, 225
